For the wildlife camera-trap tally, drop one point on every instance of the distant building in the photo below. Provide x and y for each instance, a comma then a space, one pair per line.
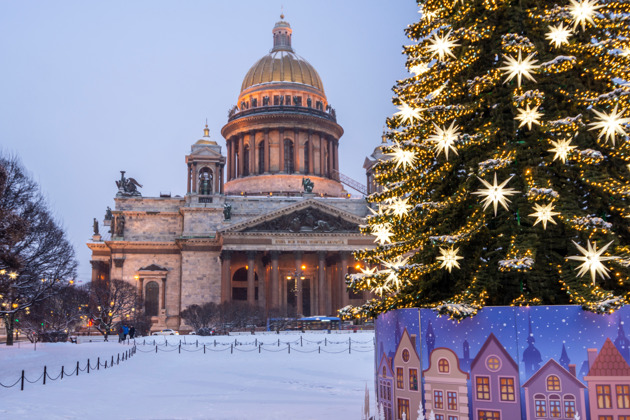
622, 342
554, 393
608, 382
531, 356
268, 223
445, 386
407, 369
495, 383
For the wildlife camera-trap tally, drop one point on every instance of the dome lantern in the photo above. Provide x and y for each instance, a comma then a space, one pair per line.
282, 36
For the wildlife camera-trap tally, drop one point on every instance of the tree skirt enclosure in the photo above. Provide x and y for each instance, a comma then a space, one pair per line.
507, 363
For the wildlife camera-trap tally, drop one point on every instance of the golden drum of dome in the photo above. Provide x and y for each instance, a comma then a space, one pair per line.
282, 66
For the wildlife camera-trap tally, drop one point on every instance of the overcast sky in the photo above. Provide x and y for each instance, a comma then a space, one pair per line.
90, 88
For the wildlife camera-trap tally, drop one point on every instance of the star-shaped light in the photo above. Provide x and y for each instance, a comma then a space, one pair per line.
444, 139
562, 149
408, 114
558, 35
519, 67
383, 232
610, 124
544, 214
592, 260
429, 15
442, 46
419, 68
399, 207
393, 281
402, 157
369, 273
528, 116
495, 194
583, 12
449, 258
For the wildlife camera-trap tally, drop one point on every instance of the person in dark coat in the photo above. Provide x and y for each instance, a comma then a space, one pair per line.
132, 332
121, 334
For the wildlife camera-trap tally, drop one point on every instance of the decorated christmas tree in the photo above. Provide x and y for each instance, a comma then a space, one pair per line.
508, 164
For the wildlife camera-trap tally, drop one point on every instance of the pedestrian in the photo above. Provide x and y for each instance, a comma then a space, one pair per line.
121, 334
132, 332
125, 332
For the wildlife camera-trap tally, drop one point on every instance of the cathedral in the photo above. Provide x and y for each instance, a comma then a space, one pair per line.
269, 222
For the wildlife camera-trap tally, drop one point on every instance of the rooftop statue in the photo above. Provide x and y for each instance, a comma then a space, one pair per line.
127, 187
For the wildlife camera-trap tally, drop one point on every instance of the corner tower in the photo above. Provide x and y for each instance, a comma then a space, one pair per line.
283, 128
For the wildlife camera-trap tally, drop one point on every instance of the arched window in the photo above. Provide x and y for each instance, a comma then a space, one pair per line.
554, 406
553, 383
261, 157
288, 156
246, 160
493, 363
205, 181
151, 297
443, 366
384, 371
307, 167
405, 355
569, 406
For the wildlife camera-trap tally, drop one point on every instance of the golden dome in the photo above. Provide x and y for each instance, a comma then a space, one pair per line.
282, 64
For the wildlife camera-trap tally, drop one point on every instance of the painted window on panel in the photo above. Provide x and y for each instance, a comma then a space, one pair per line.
553, 383
569, 406
508, 392
413, 379
489, 415
493, 363
540, 405
604, 399
482, 387
443, 366
438, 400
399, 378
403, 407
451, 400
554, 406
623, 396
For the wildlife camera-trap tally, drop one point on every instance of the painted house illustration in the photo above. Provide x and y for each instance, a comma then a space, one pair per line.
385, 377
608, 382
406, 370
445, 386
554, 393
495, 383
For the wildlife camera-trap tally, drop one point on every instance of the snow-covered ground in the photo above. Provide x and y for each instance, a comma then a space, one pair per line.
316, 380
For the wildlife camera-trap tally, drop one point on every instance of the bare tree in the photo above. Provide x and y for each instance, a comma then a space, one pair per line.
111, 302
200, 316
36, 259
54, 318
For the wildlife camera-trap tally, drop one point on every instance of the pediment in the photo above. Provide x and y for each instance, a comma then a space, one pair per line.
309, 216
153, 267
206, 152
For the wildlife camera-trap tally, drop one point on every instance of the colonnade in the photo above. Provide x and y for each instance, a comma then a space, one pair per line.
245, 156
284, 277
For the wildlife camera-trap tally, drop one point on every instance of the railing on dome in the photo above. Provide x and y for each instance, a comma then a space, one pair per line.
355, 185
235, 113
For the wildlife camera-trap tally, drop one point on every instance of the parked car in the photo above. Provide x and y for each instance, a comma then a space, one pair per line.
167, 331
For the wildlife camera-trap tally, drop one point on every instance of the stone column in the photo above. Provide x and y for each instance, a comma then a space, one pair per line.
194, 178
297, 255
281, 146
252, 152
267, 150
345, 300
232, 157
331, 154
189, 177
141, 289
336, 159
241, 142
228, 148
275, 281
251, 277
330, 293
311, 153
322, 156
221, 181
226, 274
262, 277
296, 152
321, 283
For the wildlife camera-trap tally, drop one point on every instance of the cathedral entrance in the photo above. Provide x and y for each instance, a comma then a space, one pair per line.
293, 296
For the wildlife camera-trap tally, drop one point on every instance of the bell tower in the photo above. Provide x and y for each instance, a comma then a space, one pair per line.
205, 168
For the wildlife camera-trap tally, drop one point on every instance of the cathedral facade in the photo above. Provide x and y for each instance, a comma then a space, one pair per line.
268, 223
